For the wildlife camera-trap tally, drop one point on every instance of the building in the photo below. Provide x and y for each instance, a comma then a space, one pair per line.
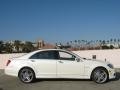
49, 46
40, 44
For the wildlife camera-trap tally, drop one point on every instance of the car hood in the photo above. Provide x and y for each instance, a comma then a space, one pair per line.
95, 61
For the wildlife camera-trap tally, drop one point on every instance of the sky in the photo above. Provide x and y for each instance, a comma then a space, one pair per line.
59, 20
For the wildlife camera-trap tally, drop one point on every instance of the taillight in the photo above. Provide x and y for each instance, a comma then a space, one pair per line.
8, 62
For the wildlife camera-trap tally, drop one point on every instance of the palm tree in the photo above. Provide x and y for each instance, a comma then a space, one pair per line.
75, 43
68, 44
82, 41
56, 44
96, 41
60, 44
118, 40
108, 41
118, 43
79, 41
100, 44
103, 42
71, 43
100, 41
111, 40
115, 40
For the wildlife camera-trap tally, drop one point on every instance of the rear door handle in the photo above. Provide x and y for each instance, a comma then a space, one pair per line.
60, 61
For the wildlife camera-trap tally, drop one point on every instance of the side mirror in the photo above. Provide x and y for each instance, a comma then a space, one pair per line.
77, 59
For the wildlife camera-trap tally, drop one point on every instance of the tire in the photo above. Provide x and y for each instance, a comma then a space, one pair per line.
26, 75
100, 75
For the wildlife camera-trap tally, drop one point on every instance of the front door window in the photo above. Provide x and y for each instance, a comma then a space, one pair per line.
66, 56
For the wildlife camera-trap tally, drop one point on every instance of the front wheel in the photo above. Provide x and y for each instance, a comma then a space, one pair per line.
26, 75
100, 75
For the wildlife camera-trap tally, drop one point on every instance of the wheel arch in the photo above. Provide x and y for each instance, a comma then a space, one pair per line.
26, 67
98, 68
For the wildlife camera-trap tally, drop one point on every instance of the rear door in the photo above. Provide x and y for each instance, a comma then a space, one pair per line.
45, 63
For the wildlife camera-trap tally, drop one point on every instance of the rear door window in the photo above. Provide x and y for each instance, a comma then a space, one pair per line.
45, 55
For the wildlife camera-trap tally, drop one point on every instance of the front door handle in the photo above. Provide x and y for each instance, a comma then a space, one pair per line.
60, 61
32, 60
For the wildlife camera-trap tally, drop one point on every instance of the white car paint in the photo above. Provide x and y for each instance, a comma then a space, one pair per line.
45, 68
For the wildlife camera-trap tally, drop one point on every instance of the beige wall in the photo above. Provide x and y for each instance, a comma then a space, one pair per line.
5, 57
112, 56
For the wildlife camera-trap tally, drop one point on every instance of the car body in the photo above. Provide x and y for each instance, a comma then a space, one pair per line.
58, 63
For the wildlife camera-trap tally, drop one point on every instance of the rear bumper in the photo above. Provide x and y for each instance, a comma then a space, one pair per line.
11, 72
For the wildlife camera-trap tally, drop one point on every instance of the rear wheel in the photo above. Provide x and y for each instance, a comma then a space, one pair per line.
26, 75
100, 75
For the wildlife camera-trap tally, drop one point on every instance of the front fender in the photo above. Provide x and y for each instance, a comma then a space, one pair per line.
90, 69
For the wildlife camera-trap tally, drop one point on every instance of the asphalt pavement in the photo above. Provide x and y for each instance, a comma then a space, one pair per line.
13, 83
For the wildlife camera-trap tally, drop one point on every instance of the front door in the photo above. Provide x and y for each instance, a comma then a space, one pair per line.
68, 67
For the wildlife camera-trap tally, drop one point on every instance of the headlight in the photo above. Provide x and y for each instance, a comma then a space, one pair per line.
110, 66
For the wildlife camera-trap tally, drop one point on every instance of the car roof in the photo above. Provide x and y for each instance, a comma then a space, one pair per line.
26, 56
49, 50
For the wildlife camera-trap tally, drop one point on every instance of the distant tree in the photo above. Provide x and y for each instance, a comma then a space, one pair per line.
17, 45
103, 42
97, 41
8, 48
85, 41
56, 44
111, 47
71, 43
1, 46
118, 43
79, 41
75, 41
108, 41
111, 40
100, 41
60, 44
68, 44
105, 47
28, 47
115, 40
118, 40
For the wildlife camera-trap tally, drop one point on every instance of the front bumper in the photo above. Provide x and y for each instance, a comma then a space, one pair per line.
112, 73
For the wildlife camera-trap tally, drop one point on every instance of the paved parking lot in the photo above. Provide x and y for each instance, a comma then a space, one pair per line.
12, 83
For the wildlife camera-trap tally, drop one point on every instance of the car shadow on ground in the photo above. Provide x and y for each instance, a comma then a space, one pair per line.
61, 79
1, 88
117, 76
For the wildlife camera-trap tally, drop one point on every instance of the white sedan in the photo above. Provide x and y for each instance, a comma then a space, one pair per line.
57, 63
